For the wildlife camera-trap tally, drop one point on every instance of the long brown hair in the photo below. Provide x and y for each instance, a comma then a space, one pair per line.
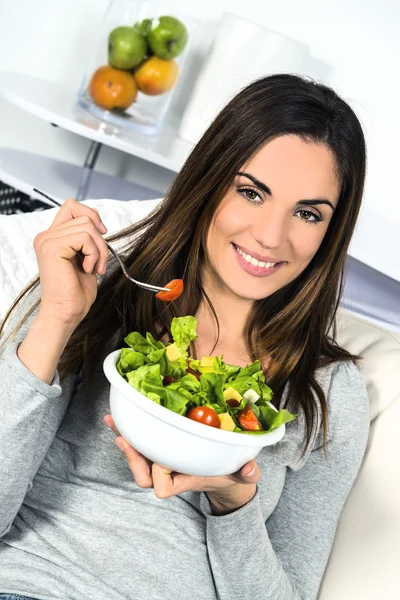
291, 326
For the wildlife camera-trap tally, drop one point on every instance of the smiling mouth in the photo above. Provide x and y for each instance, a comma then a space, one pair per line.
251, 265
251, 260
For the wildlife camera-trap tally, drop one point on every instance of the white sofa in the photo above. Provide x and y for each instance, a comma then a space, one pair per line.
365, 559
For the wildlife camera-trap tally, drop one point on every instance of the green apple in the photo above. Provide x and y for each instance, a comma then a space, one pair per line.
143, 27
167, 37
126, 48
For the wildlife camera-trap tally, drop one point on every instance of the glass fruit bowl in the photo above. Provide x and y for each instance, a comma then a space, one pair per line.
131, 79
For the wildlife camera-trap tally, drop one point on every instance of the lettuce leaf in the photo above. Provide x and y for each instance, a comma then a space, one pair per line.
271, 419
136, 341
149, 373
212, 385
183, 330
130, 360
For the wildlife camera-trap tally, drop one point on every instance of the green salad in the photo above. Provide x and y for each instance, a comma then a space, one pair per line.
209, 390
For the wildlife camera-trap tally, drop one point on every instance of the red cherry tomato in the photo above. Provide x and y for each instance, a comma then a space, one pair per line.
176, 288
206, 415
248, 420
167, 380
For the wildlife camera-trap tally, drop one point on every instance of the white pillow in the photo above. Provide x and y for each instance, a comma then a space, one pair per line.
18, 263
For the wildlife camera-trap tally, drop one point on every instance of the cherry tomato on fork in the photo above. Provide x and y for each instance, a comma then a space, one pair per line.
176, 289
206, 415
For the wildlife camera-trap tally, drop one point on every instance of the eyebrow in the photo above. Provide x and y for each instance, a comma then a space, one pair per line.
259, 184
267, 190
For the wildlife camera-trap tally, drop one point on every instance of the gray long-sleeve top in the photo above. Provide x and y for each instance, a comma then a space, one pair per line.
74, 525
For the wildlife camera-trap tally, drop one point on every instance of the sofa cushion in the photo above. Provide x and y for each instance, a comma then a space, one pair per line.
380, 364
365, 556
17, 257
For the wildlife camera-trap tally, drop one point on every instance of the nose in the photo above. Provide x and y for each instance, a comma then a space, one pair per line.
271, 228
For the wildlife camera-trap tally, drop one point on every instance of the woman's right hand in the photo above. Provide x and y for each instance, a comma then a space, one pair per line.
68, 282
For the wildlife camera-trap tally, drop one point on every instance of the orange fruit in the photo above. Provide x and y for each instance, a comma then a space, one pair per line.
112, 88
156, 76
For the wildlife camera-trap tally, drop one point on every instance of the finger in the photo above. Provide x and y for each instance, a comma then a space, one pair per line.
167, 483
138, 464
83, 242
86, 226
249, 473
48, 245
82, 220
163, 482
68, 243
72, 209
109, 421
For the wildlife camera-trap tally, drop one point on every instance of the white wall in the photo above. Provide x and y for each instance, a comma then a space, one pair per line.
354, 44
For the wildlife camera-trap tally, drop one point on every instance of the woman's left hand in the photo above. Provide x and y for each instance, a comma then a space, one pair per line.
226, 493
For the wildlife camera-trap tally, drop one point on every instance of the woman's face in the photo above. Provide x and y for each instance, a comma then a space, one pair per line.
273, 218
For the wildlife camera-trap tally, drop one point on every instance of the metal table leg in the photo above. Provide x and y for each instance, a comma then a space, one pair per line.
88, 166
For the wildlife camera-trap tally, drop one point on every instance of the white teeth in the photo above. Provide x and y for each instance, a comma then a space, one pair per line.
257, 263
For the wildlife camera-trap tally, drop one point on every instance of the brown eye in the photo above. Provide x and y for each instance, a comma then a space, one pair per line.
251, 195
309, 216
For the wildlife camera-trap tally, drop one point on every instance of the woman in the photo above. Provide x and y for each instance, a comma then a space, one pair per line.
257, 223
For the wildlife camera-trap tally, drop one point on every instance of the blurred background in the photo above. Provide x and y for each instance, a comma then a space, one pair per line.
353, 46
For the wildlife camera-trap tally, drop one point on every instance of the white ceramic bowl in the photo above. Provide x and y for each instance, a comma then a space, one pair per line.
174, 441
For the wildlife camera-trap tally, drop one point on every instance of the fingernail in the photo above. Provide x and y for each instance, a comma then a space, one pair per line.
252, 472
103, 227
121, 443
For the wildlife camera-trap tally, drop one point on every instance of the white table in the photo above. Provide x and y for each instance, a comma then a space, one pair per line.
55, 103
60, 180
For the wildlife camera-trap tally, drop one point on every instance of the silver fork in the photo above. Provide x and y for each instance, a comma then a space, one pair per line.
146, 286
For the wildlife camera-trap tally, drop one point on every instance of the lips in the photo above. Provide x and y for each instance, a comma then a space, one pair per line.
259, 257
256, 269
